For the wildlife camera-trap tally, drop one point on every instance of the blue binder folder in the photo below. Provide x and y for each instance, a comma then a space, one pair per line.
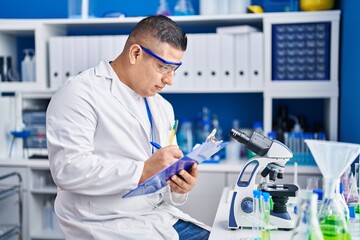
158, 181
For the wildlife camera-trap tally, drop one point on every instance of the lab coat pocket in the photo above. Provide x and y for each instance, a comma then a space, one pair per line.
103, 211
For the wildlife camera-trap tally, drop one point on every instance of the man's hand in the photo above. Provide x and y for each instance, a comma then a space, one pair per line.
159, 160
184, 181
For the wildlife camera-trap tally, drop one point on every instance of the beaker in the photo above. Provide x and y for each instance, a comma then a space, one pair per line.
331, 215
307, 225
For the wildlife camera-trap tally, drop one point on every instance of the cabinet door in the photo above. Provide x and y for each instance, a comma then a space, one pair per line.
41, 206
203, 200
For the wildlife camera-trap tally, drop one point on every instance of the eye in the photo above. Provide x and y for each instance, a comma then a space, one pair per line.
165, 68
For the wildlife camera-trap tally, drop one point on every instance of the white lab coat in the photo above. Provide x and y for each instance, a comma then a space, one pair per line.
98, 135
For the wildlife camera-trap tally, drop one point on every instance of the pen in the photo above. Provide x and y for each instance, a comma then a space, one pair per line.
173, 132
156, 145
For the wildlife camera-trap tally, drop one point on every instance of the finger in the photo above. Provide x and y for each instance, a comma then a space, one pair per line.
179, 182
176, 188
187, 177
194, 170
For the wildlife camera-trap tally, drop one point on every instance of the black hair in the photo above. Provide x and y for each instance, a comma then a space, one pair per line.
163, 29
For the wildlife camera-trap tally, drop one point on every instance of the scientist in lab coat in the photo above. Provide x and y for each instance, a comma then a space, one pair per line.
99, 125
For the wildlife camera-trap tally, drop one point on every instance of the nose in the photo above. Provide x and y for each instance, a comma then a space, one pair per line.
168, 78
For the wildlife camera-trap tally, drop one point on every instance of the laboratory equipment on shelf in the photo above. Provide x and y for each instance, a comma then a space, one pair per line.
17, 135
307, 225
28, 66
163, 8
183, 8
333, 158
7, 190
271, 159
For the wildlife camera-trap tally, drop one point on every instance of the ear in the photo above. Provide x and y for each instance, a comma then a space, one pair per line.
135, 53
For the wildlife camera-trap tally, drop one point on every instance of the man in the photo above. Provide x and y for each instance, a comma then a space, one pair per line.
99, 128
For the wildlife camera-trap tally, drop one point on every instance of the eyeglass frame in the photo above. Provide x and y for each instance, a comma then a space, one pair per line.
151, 53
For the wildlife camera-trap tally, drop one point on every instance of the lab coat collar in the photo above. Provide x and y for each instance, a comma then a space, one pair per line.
125, 95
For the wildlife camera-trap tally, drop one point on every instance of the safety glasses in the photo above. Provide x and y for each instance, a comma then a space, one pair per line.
166, 66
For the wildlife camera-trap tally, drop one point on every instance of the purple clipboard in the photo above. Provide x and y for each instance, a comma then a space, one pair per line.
158, 181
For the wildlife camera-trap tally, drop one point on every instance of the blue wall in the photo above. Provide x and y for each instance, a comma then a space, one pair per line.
349, 77
59, 8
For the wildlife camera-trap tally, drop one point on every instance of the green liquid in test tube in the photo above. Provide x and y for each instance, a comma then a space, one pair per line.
265, 232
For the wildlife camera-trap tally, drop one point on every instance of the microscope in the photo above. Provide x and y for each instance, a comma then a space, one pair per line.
271, 158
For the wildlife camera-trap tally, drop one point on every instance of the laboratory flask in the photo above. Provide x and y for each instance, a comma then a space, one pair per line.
332, 158
331, 215
307, 225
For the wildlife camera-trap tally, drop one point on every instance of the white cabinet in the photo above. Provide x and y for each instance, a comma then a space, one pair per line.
38, 189
13, 33
327, 89
40, 31
41, 201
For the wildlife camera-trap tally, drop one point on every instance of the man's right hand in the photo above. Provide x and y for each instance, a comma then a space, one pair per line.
159, 160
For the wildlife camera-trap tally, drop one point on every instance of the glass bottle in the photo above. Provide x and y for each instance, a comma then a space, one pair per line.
183, 7
307, 225
331, 215
163, 8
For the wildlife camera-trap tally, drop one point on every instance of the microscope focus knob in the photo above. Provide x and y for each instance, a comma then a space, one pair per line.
266, 171
280, 175
273, 175
247, 205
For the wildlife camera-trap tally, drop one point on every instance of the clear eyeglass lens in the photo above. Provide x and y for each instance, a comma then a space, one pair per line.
166, 68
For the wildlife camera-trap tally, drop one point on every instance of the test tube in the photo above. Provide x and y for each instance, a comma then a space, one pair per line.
256, 226
265, 232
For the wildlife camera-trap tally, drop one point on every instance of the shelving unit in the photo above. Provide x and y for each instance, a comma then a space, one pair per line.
7, 190
42, 30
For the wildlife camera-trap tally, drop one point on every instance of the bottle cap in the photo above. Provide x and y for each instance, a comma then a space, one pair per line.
341, 188
256, 193
266, 196
351, 211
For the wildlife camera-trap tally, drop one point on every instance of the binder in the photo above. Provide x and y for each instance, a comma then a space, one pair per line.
227, 59
240, 29
200, 53
242, 58
93, 49
81, 54
107, 46
213, 61
68, 58
55, 62
184, 76
158, 181
256, 60
119, 43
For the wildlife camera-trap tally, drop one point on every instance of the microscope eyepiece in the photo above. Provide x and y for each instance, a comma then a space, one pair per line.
239, 136
257, 143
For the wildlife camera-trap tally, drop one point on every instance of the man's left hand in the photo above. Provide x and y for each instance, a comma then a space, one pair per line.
184, 181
